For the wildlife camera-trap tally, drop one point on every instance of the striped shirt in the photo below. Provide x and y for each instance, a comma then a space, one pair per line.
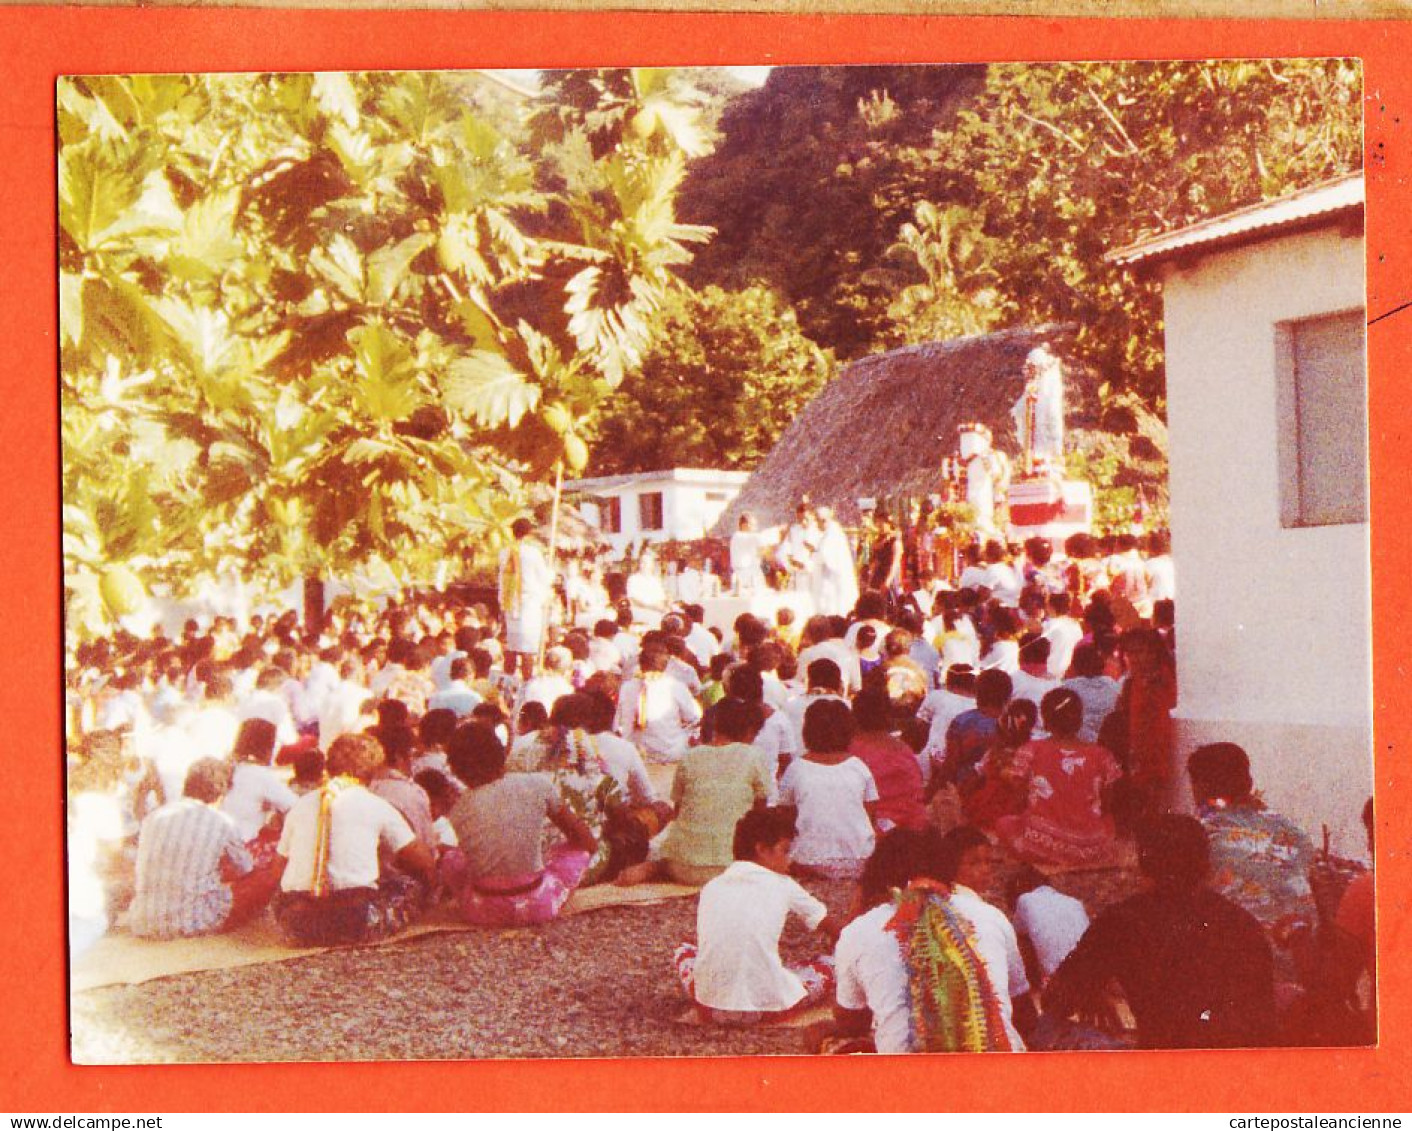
179, 886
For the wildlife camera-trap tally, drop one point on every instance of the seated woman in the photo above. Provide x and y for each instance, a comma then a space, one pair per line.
577, 766
1065, 823
835, 794
892, 763
1259, 860
996, 791
500, 874
194, 874
334, 889
715, 786
734, 973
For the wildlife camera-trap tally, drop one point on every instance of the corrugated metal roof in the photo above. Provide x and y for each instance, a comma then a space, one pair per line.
1256, 221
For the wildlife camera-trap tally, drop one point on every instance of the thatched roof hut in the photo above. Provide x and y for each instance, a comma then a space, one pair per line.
881, 428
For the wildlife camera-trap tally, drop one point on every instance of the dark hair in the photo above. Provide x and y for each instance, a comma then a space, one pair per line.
532, 716
738, 719
476, 754
393, 714
1023, 880
653, 658
872, 709
437, 787
946, 861
766, 657
1063, 712
1016, 722
1034, 650
520, 527
897, 643
1173, 851
866, 637
1220, 770
825, 673
255, 741
437, 726
993, 688
745, 682
828, 727
899, 857
762, 827
872, 605
749, 631
961, 678
1087, 661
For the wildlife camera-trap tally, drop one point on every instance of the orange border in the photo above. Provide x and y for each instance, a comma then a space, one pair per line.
41, 43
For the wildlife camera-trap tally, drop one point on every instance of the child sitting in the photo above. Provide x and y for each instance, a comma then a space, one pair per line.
734, 974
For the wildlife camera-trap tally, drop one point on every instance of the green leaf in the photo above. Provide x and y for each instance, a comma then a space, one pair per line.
340, 264
94, 194
387, 370
388, 266
336, 98
486, 386
207, 244
70, 308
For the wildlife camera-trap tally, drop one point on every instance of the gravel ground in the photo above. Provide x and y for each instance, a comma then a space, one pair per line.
595, 985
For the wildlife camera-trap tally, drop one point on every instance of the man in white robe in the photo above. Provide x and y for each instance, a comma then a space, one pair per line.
526, 590
835, 577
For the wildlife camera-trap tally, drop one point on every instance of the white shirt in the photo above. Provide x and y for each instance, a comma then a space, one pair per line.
671, 713
739, 920
254, 789
871, 975
833, 824
999, 951
797, 708
1054, 923
270, 706
841, 654
536, 581
626, 767
361, 822
1100, 695
1031, 687
702, 644
546, 689
1161, 579
1063, 634
341, 711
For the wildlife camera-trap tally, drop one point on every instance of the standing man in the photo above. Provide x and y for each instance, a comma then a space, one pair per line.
526, 588
835, 577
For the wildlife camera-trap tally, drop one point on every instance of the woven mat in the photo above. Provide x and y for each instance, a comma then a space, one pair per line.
120, 959
801, 1020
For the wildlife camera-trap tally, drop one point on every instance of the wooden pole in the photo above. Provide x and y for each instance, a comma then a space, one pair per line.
553, 554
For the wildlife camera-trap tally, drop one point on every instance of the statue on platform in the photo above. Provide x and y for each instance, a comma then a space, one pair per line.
1039, 413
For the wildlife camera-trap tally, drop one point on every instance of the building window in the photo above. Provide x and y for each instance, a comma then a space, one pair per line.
611, 511
1323, 407
649, 510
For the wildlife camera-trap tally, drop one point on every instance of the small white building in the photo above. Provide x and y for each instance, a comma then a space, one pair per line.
679, 504
1267, 411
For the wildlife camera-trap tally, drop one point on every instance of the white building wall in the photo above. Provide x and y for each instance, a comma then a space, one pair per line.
1273, 623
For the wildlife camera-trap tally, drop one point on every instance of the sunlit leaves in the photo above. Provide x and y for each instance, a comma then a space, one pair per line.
486, 386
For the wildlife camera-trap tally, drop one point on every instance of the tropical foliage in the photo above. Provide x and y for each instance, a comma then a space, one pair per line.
325, 322
727, 372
